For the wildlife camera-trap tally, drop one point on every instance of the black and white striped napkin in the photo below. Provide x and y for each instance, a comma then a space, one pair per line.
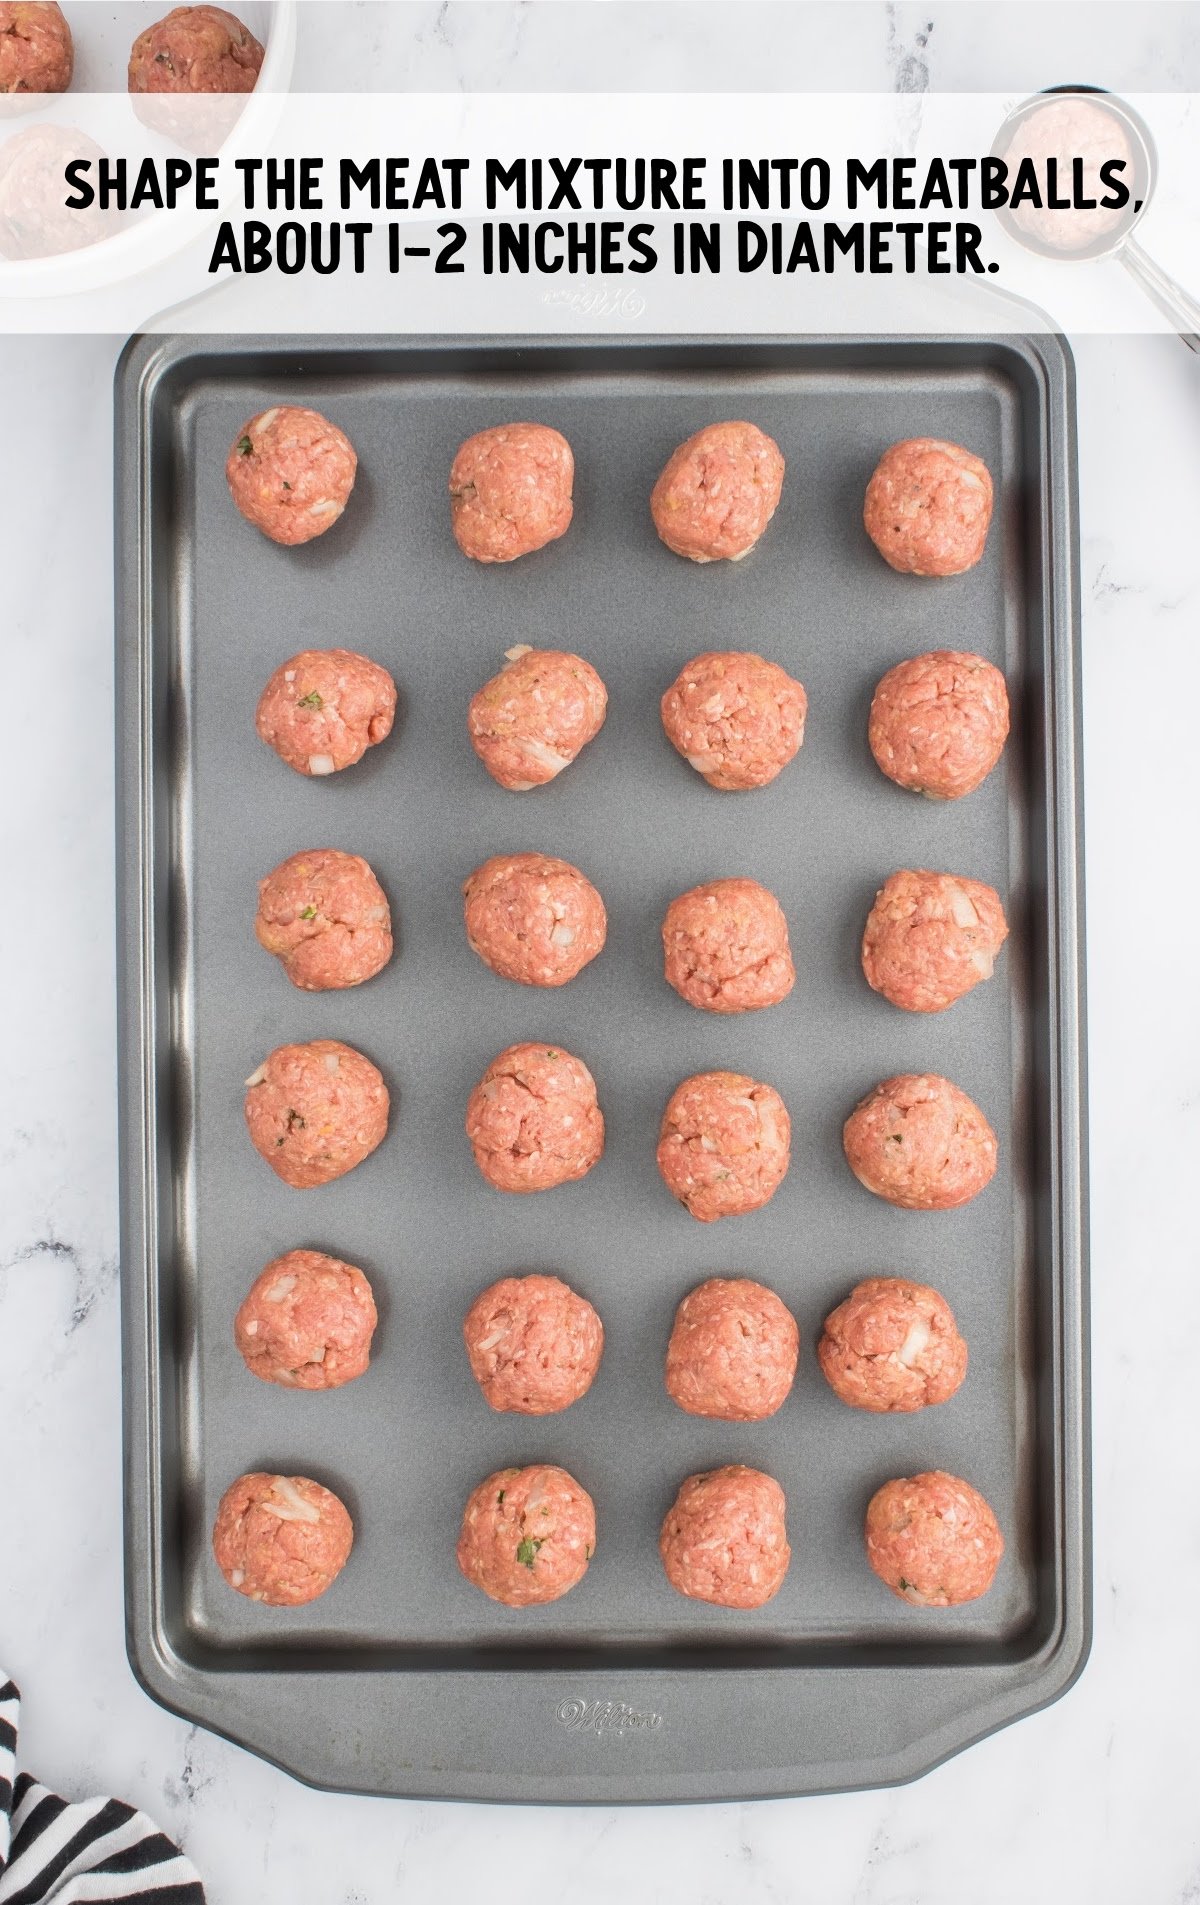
98, 1852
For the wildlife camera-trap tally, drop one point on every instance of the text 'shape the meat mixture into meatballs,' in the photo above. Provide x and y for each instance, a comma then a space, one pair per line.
928, 507
307, 1322
939, 722
315, 1111
532, 719
533, 1121
893, 1346
725, 1144
718, 492
533, 918
725, 947
281, 1539
724, 1539
933, 1539
534, 1345
920, 1142
290, 472
323, 708
196, 50
527, 1535
733, 1351
510, 491
326, 918
737, 719
37, 53
930, 938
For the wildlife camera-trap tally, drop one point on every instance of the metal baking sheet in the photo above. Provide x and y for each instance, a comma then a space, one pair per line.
403, 1679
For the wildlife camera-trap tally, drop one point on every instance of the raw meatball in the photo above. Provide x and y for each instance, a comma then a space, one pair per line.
290, 472
34, 219
920, 1142
892, 1346
725, 1144
315, 1111
725, 1540
325, 915
533, 918
37, 53
533, 1120
737, 719
732, 1352
510, 491
718, 492
527, 1535
530, 721
933, 1539
1066, 129
928, 507
324, 708
282, 1539
307, 1322
196, 50
725, 947
931, 937
939, 723
534, 1345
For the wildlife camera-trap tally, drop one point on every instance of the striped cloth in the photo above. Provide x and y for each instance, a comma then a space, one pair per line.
89, 1854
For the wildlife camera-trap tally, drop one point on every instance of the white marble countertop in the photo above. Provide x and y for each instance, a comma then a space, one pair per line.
1094, 1799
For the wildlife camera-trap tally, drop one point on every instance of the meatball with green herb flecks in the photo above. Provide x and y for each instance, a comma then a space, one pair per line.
315, 1111
919, 1142
933, 1539
527, 1535
533, 1121
323, 708
326, 918
290, 472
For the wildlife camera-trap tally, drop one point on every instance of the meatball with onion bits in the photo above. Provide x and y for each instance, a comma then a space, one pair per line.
527, 1535
893, 1346
928, 507
725, 1144
534, 1344
281, 1539
939, 722
933, 1539
37, 53
733, 1351
532, 719
316, 1111
195, 50
725, 947
736, 718
533, 1121
326, 918
323, 708
919, 1142
290, 472
510, 491
307, 1322
930, 938
718, 492
724, 1539
533, 918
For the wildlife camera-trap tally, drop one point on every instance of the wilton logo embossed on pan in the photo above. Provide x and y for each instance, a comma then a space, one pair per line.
605, 1716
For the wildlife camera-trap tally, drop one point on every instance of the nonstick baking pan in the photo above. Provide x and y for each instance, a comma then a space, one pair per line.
404, 1679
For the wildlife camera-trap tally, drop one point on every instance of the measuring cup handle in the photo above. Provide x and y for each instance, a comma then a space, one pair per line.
1171, 298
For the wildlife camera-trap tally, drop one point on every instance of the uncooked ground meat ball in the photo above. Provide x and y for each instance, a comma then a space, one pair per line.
34, 219
892, 1346
315, 1111
527, 1535
510, 491
737, 719
933, 1539
931, 937
725, 1144
1066, 129
928, 507
725, 947
533, 1343
733, 1351
281, 1539
533, 1120
326, 918
324, 708
533, 918
37, 54
724, 1539
307, 1322
939, 723
531, 720
195, 50
290, 472
718, 492
920, 1142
